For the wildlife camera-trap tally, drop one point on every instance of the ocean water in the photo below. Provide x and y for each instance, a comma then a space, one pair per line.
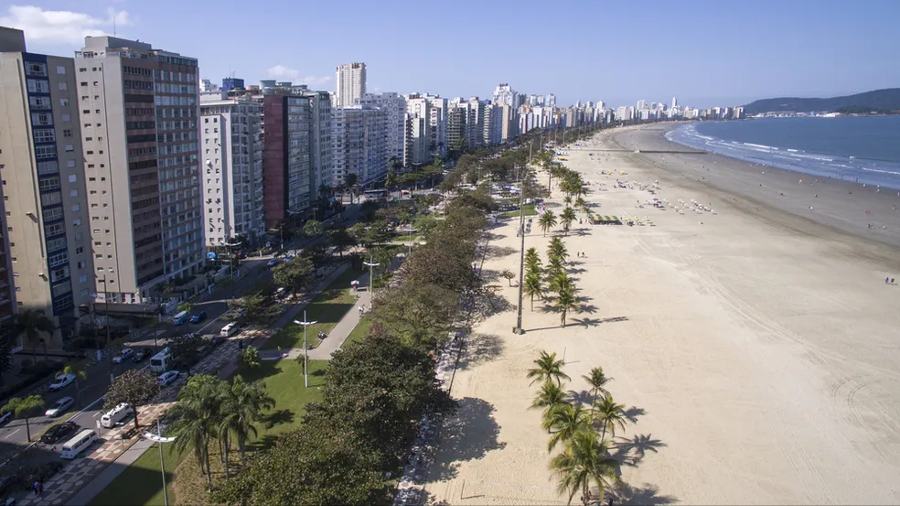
860, 149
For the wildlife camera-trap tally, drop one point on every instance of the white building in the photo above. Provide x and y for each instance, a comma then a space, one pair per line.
231, 171
417, 131
394, 106
351, 84
360, 144
505, 95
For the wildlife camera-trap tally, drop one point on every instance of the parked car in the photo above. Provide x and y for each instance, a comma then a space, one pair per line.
59, 432
123, 355
62, 381
59, 407
272, 263
198, 317
167, 378
141, 355
5, 417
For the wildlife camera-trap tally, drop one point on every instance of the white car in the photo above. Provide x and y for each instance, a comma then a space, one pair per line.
272, 263
167, 378
60, 407
62, 381
123, 355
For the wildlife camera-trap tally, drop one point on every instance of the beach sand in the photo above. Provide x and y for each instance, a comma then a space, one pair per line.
758, 349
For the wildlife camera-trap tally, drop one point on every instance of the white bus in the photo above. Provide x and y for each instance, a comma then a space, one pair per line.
78, 444
116, 415
161, 362
229, 330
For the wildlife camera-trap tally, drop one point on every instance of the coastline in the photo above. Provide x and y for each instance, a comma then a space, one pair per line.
757, 347
840, 205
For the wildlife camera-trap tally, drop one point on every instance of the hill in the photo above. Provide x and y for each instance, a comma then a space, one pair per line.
887, 100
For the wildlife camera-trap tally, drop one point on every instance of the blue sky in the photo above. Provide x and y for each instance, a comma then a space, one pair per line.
705, 52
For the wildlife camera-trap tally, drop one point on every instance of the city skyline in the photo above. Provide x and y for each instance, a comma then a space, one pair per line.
622, 55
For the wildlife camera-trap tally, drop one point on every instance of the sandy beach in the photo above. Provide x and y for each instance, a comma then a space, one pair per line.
756, 344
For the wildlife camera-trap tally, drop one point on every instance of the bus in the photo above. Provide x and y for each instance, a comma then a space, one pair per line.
229, 330
78, 444
160, 362
181, 318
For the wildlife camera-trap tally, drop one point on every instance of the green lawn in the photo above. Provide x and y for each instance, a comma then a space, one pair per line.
327, 309
141, 482
360, 331
284, 382
529, 211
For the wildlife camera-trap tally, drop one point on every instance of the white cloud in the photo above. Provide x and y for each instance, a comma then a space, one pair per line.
284, 73
61, 26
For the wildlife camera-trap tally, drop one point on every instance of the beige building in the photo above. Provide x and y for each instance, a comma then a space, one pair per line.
43, 184
139, 113
351, 84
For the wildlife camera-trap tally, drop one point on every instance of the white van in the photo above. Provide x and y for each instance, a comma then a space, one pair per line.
229, 330
116, 415
78, 444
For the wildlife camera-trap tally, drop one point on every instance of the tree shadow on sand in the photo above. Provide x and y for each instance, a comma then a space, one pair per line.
470, 433
489, 302
480, 348
630, 452
500, 251
624, 493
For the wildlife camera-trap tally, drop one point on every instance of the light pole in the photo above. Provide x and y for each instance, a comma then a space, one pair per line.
305, 323
372, 266
162, 464
518, 328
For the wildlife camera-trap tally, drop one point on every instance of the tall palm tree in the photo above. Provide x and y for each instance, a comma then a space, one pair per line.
533, 286
532, 260
566, 218
566, 301
585, 462
608, 415
547, 221
557, 249
33, 324
197, 416
550, 396
597, 379
563, 421
547, 368
242, 406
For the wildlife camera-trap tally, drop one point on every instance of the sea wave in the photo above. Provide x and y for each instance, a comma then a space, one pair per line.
873, 172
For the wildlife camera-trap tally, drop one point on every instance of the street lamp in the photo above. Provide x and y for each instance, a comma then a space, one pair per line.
305, 323
518, 328
372, 266
162, 464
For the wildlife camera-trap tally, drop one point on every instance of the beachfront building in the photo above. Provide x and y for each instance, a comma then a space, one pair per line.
138, 110
45, 263
232, 170
359, 140
350, 79
417, 131
287, 169
394, 106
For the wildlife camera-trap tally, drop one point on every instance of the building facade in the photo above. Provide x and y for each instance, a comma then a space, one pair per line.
43, 184
287, 173
232, 174
138, 110
359, 144
350, 79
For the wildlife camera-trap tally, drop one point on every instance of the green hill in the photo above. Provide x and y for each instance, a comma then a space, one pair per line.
883, 101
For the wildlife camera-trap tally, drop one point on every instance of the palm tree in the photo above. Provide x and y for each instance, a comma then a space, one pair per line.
566, 218
547, 221
566, 301
32, 323
597, 380
563, 422
548, 367
532, 260
26, 408
609, 415
243, 404
551, 395
80, 375
533, 286
197, 416
557, 249
585, 462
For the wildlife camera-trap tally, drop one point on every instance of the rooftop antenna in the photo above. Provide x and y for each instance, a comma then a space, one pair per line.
114, 24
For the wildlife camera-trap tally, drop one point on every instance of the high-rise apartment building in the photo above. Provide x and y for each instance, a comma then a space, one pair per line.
351, 84
232, 170
286, 158
505, 95
138, 111
394, 106
360, 144
43, 184
232, 83
417, 145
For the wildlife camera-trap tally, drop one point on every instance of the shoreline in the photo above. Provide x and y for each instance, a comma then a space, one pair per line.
839, 205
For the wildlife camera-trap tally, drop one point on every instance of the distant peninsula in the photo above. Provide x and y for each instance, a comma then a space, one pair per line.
885, 101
